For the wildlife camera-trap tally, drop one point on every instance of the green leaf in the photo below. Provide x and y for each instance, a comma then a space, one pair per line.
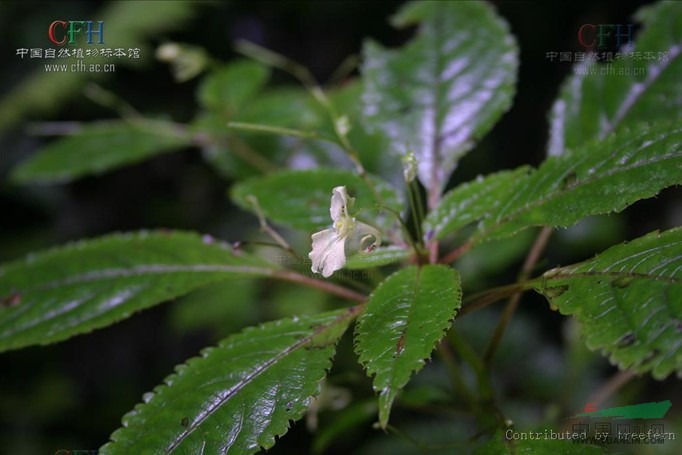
405, 317
377, 258
607, 177
469, 202
227, 89
99, 147
628, 300
75, 289
446, 88
372, 146
238, 396
236, 153
598, 99
301, 199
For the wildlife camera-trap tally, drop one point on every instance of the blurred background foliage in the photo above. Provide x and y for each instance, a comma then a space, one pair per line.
72, 395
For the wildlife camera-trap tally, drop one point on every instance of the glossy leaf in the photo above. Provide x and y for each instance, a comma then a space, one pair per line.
83, 286
470, 202
372, 146
301, 199
446, 88
98, 148
628, 300
381, 256
607, 177
405, 317
598, 99
238, 396
228, 88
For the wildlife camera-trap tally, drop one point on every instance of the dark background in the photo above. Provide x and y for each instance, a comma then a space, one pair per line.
73, 394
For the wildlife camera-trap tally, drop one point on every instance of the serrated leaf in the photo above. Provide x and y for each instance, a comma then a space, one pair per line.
97, 148
229, 87
404, 318
301, 199
628, 300
594, 102
238, 396
470, 201
379, 257
607, 176
53, 295
446, 88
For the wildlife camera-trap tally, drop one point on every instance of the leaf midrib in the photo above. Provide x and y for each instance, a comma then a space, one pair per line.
624, 109
414, 292
436, 139
256, 373
564, 190
620, 274
148, 269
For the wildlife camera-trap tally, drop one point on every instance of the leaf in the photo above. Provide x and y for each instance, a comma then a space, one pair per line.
405, 317
227, 89
97, 148
75, 289
628, 300
446, 88
301, 199
469, 202
381, 256
594, 102
238, 396
607, 177
235, 153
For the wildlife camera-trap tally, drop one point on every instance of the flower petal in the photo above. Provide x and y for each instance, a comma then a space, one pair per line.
328, 253
340, 203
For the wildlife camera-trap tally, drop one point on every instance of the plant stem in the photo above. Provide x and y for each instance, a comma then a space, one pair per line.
611, 386
527, 268
332, 288
302, 73
453, 255
607, 389
265, 227
416, 215
488, 297
344, 70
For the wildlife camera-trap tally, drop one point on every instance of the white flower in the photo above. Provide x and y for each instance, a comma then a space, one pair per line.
329, 246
